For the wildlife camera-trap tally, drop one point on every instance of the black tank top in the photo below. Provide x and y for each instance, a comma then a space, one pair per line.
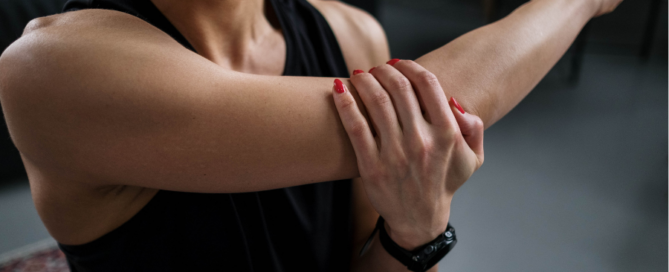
302, 228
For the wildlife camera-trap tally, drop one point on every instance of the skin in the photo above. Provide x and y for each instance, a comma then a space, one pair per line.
417, 161
422, 152
107, 109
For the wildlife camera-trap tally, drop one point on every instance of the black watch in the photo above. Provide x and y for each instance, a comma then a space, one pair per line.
422, 258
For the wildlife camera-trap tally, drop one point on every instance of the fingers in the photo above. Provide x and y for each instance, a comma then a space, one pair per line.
402, 94
355, 124
379, 106
432, 95
471, 127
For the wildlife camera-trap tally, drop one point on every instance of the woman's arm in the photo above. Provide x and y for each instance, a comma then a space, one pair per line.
103, 97
493, 67
106, 98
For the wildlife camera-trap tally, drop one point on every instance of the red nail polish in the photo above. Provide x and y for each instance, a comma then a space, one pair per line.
392, 61
339, 87
370, 70
457, 105
355, 72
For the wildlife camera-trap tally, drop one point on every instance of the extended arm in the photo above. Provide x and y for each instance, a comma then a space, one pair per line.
492, 68
103, 97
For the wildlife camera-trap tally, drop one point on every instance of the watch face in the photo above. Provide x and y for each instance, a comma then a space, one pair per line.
428, 249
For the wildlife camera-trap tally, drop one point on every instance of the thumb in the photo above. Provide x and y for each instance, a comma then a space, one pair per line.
471, 127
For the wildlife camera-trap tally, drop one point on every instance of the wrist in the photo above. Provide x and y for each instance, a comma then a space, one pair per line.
423, 258
411, 239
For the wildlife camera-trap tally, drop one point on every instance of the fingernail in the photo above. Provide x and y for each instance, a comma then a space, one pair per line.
339, 87
355, 72
370, 70
457, 105
392, 61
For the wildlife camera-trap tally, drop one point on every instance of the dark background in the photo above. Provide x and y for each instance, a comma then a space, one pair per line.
575, 177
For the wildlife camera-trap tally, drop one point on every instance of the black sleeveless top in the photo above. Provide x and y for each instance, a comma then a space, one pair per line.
302, 228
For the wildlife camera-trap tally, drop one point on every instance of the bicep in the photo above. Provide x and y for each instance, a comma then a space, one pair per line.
123, 103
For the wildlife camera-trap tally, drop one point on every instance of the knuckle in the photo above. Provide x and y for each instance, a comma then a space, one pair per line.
422, 145
478, 125
400, 162
428, 78
400, 83
357, 129
451, 134
398, 156
447, 136
421, 151
381, 98
347, 104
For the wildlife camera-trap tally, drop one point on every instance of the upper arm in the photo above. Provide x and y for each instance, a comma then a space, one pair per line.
110, 99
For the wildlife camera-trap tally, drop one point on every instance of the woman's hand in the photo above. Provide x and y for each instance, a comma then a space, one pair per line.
416, 162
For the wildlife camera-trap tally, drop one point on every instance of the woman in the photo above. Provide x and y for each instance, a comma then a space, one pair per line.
160, 135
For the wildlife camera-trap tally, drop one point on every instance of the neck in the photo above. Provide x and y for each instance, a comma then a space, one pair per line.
227, 32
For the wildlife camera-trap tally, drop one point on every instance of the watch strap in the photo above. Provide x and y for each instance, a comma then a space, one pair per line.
422, 258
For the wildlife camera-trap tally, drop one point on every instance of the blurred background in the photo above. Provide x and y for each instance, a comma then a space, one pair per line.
575, 177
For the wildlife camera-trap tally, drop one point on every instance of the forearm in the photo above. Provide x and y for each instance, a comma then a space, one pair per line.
492, 68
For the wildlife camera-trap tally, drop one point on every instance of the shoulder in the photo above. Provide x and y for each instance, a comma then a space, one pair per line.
360, 36
82, 18
61, 53
63, 37
71, 38
91, 27
67, 32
